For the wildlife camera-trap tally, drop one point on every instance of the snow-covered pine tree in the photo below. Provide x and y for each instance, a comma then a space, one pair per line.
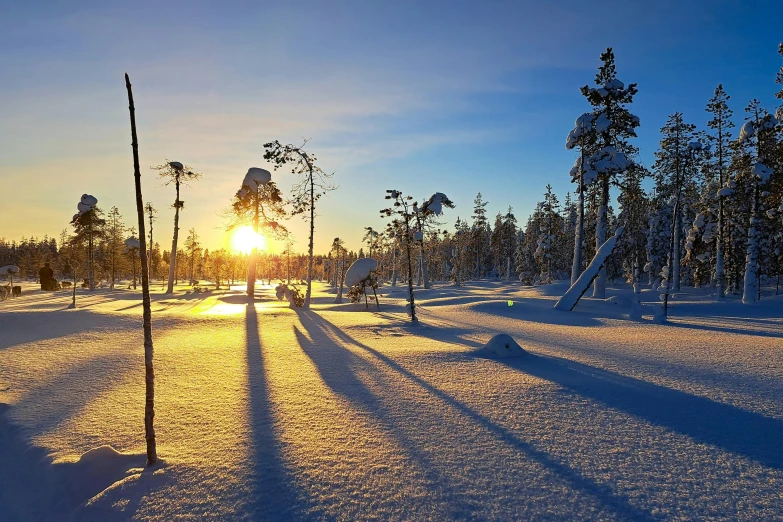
582, 136
549, 230
632, 245
480, 233
671, 176
427, 213
609, 152
758, 137
719, 139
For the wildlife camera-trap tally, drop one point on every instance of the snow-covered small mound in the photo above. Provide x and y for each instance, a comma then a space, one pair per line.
359, 271
502, 346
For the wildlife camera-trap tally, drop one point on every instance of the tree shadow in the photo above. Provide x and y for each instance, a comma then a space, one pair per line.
603, 493
735, 430
277, 496
339, 367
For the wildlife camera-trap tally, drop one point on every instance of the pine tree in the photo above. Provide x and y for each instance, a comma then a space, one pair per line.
179, 174
721, 125
609, 152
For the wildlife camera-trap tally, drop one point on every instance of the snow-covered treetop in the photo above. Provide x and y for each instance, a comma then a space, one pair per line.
86, 204
254, 178
257, 176
695, 145
132, 245
582, 128
435, 204
608, 160
749, 128
9, 269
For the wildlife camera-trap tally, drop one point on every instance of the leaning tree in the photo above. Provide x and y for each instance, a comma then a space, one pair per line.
313, 183
149, 372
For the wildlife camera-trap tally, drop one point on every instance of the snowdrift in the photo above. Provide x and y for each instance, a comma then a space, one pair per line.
502, 346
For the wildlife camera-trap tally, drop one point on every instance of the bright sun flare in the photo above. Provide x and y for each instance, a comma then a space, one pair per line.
245, 239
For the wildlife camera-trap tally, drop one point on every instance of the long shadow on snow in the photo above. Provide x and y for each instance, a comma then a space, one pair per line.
29, 327
276, 493
338, 368
604, 494
735, 430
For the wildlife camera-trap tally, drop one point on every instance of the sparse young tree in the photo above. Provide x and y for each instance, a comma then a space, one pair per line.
150, 211
313, 183
178, 174
404, 214
193, 248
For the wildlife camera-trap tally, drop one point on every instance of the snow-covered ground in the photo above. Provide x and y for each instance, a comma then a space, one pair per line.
267, 413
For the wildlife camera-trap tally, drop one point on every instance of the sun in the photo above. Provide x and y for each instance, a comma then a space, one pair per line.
245, 239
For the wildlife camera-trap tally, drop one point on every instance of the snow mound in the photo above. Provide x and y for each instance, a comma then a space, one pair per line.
502, 346
359, 271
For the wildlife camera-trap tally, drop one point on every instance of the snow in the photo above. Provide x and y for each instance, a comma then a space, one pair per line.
614, 85
268, 413
86, 204
9, 269
602, 123
132, 243
359, 271
575, 292
502, 346
762, 172
256, 176
747, 131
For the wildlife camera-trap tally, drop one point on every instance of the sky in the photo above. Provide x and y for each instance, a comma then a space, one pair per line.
422, 96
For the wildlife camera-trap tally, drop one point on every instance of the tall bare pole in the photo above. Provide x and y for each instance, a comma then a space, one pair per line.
149, 374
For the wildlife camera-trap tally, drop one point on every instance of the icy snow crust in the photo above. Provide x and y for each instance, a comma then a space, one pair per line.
268, 413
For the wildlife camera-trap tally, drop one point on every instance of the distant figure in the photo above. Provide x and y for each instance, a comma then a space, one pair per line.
16, 291
46, 275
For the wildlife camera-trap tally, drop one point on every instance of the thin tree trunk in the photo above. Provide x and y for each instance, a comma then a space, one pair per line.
599, 284
149, 404
310, 246
173, 257
576, 267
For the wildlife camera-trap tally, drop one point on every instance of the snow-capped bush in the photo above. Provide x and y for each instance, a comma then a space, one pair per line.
291, 294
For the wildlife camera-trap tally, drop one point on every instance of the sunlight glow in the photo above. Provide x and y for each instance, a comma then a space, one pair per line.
245, 239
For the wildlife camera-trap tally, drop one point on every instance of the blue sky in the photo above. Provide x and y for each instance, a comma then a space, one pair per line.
458, 97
